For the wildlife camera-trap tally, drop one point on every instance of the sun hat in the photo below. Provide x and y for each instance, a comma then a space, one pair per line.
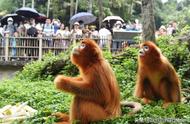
76, 23
10, 19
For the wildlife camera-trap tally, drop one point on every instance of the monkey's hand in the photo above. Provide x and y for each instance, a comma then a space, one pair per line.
60, 81
166, 104
61, 116
146, 101
75, 85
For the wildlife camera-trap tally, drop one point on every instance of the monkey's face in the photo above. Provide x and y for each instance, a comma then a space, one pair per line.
148, 50
144, 50
87, 52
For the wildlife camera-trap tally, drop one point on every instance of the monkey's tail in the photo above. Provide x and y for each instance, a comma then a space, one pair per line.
134, 105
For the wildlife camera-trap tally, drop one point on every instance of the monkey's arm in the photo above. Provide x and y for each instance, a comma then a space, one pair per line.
75, 86
171, 85
76, 78
139, 88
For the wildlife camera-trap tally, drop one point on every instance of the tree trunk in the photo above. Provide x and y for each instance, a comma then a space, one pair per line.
148, 20
130, 9
48, 7
23, 3
32, 3
90, 6
76, 6
100, 12
71, 10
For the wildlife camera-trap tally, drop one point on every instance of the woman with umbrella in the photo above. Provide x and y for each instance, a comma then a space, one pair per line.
76, 32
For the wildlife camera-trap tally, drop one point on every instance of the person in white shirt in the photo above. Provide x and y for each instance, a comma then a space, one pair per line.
105, 37
169, 29
1, 30
48, 31
64, 34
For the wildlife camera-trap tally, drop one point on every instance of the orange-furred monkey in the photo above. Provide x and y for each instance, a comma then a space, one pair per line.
96, 92
156, 77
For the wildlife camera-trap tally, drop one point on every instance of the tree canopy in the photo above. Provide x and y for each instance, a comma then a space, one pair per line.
127, 9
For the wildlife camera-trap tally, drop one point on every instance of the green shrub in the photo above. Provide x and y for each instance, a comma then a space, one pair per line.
178, 54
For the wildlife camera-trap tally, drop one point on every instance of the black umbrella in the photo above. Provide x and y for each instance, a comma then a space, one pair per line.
41, 18
27, 12
16, 18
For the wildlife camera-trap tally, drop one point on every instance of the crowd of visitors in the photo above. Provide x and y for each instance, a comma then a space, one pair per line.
49, 29
169, 29
57, 34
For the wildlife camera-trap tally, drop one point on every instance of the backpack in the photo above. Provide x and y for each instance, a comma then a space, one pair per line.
32, 31
52, 27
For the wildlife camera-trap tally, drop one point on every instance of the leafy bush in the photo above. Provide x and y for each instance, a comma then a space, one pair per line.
179, 55
41, 95
176, 52
47, 68
125, 68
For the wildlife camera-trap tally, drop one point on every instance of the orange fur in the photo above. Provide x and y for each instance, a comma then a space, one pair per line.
96, 92
156, 77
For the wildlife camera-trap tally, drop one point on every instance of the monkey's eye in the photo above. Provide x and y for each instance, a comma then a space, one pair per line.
82, 46
146, 48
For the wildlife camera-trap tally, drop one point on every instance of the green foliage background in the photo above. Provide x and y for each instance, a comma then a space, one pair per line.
129, 10
38, 89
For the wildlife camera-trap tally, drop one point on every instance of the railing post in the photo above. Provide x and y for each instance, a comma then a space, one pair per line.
40, 47
6, 47
109, 38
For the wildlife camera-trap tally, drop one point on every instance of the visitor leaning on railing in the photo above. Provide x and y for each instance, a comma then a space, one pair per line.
11, 30
48, 31
64, 34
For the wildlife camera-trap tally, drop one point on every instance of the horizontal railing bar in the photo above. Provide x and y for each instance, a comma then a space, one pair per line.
23, 56
54, 38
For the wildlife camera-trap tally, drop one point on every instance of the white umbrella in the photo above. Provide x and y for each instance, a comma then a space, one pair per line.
115, 18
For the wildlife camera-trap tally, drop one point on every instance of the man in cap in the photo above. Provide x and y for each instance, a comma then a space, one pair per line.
10, 30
